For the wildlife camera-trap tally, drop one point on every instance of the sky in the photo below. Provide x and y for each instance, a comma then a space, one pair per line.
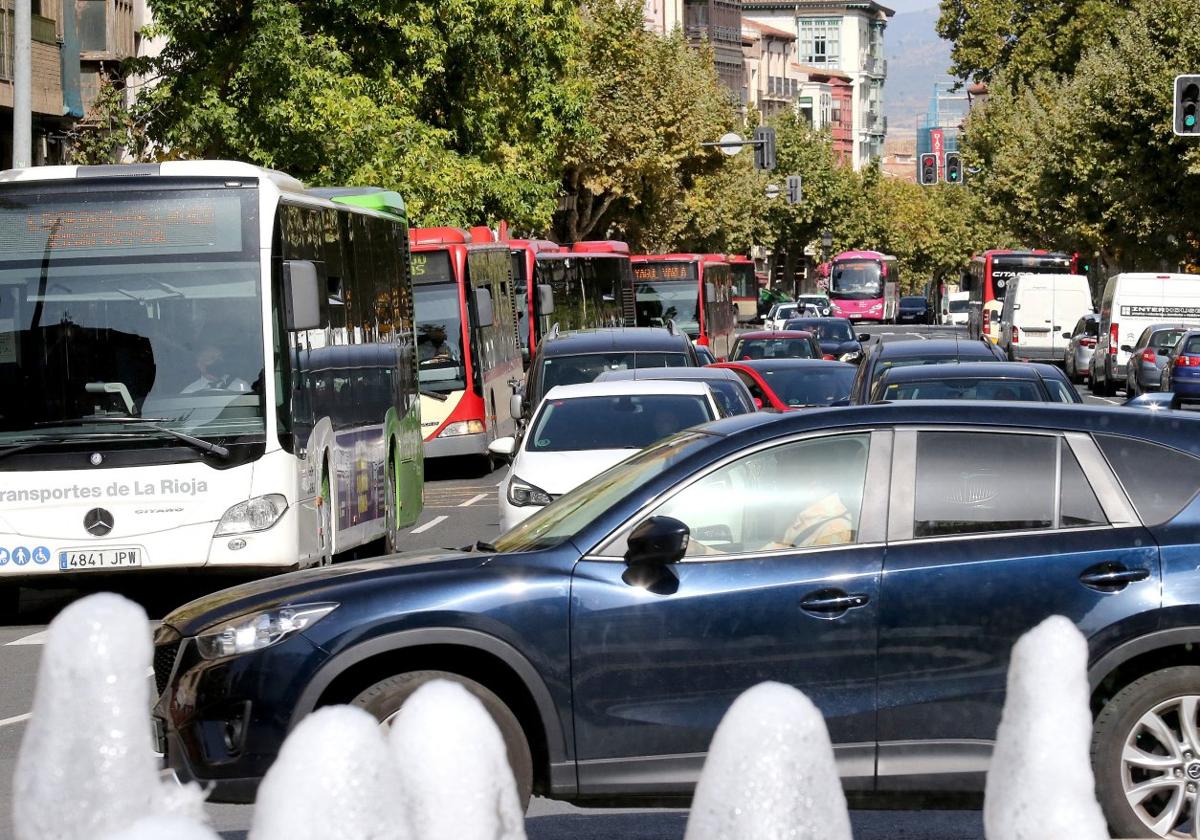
908, 5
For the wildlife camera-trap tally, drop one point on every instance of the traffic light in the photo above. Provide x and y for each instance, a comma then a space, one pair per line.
928, 173
795, 189
764, 148
954, 168
1187, 106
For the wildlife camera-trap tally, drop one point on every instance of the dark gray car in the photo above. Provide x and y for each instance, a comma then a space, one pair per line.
1148, 357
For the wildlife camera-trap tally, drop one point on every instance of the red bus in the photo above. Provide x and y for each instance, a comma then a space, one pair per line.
694, 290
744, 281
988, 279
468, 356
864, 286
584, 287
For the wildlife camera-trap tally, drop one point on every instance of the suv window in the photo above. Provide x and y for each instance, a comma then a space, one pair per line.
1160, 481
970, 483
797, 495
1080, 507
1058, 391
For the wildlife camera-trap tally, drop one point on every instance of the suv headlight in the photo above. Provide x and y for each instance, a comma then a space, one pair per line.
464, 427
261, 630
523, 494
257, 514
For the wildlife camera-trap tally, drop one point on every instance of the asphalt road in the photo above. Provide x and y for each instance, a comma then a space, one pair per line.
460, 508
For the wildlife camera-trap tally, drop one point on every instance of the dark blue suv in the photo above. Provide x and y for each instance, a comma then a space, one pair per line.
899, 553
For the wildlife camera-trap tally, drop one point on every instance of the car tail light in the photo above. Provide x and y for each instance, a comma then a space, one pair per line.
1016, 335
1149, 356
1088, 342
828, 358
1187, 361
1114, 336
987, 321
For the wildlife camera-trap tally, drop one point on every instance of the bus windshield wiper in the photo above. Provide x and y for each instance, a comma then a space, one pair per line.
434, 395
150, 423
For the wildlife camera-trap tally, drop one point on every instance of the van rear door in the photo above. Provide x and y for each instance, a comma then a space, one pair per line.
1145, 299
1033, 316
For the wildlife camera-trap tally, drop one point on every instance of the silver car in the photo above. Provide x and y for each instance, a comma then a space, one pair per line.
1081, 345
1148, 357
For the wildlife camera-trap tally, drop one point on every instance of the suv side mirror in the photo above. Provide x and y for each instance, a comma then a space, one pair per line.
503, 446
1125, 348
657, 542
302, 303
1067, 335
864, 336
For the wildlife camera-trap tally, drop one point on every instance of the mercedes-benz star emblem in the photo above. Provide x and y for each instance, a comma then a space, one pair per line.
98, 522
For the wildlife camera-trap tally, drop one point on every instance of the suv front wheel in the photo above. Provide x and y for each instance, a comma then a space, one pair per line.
1146, 755
384, 699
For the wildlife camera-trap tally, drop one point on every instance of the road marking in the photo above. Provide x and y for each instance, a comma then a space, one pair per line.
432, 523
15, 720
38, 638
474, 499
1093, 396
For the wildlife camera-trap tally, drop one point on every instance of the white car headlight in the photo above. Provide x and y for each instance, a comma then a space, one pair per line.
523, 494
257, 514
261, 630
464, 427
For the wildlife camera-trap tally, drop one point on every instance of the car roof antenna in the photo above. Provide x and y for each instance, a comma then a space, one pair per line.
671, 327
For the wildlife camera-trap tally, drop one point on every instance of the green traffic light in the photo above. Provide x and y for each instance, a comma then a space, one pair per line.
1190, 120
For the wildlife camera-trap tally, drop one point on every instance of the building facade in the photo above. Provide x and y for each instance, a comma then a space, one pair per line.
840, 40
718, 22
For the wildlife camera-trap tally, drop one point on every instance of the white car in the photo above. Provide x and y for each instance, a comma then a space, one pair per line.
579, 431
781, 313
958, 309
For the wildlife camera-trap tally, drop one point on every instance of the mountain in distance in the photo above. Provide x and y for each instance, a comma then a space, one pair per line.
917, 58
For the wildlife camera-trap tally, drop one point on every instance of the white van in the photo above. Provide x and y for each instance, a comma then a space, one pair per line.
1038, 308
958, 309
1132, 302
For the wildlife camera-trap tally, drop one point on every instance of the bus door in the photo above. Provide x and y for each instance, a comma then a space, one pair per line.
495, 348
719, 317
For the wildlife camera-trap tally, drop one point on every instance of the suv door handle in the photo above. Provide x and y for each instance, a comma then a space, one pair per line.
827, 602
1111, 577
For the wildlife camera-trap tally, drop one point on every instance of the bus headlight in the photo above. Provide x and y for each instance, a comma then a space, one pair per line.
254, 632
257, 514
876, 307
465, 427
523, 494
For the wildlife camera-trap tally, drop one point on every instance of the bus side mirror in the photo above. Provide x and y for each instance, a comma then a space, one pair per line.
302, 297
483, 307
545, 299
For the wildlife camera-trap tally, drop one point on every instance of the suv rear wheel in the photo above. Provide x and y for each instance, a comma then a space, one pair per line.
384, 699
1146, 755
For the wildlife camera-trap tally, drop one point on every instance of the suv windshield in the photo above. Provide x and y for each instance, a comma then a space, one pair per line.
132, 303
577, 370
828, 329
616, 422
566, 516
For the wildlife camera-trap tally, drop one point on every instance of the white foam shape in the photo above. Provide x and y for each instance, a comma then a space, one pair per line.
86, 765
334, 778
770, 773
454, 767
1040, 784
164, 828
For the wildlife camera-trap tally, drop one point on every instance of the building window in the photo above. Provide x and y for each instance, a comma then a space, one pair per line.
820, 41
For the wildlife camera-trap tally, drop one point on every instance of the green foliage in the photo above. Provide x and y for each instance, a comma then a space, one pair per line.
107, 130
458, 104
1088, 161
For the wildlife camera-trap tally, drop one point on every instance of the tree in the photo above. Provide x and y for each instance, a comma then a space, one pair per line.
107, 130
458, 104
1014, 40
650, 101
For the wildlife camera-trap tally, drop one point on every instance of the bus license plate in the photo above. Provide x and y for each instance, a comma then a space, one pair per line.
82, 560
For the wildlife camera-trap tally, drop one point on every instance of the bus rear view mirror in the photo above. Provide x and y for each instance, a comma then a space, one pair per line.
545, 299
302, 304
483, 307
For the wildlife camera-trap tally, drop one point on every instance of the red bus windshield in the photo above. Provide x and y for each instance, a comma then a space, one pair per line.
856, 280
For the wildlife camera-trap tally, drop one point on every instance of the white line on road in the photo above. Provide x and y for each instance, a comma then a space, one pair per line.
1105, 399
432, 523
14, 720
474, 499
33, 639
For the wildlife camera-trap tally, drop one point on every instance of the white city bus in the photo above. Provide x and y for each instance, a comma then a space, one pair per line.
204, 365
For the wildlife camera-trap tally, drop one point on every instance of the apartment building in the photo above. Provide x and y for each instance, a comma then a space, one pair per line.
719, 22
842, 39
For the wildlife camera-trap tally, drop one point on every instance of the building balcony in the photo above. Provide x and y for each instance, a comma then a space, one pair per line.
876, 67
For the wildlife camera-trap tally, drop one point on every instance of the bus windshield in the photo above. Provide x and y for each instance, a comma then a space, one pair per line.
661, 301
856, 280
130, 304
439, 338
1006, 267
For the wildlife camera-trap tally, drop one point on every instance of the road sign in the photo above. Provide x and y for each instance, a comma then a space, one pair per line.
772, 191
730, 143
795, 189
